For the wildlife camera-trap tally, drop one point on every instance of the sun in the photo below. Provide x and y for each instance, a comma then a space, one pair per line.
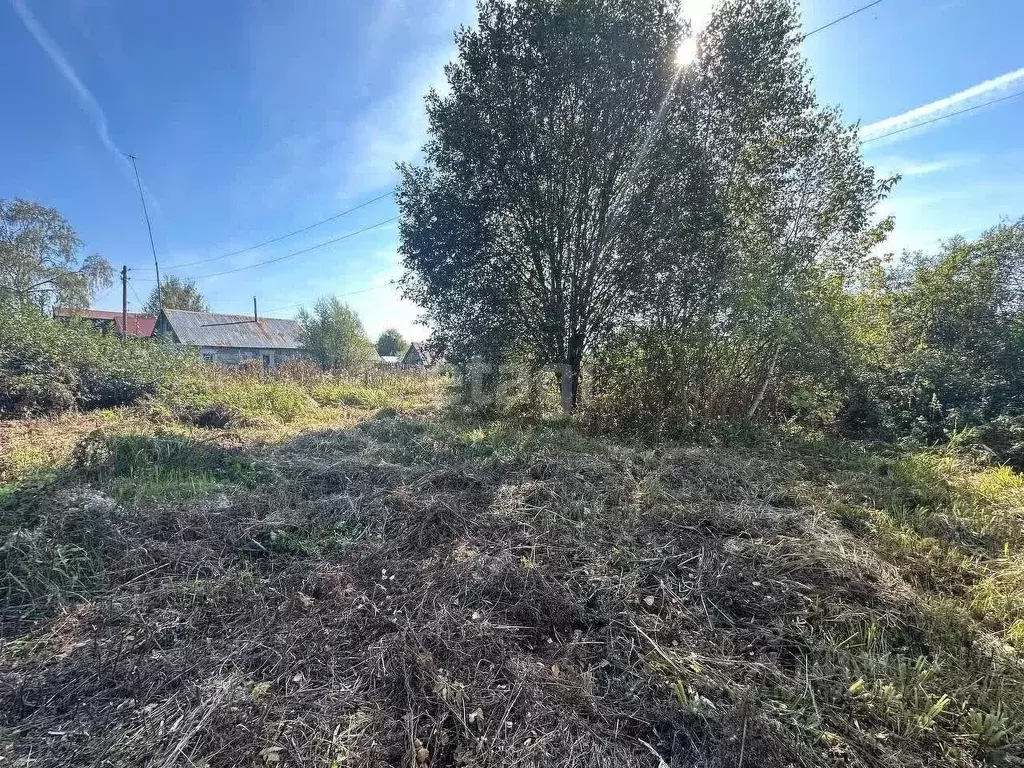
687, 52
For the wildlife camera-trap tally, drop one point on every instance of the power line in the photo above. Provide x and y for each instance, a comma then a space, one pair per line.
854, 12
296, 253
135, 294
338, 295
943, 117
280, 237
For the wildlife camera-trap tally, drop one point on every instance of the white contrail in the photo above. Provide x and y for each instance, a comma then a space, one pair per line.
85, 98
966, 98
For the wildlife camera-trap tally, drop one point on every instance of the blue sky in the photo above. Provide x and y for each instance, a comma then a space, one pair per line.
253, 118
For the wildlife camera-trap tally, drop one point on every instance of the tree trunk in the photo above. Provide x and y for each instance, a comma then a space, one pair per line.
565, 387
569, 381
752, 411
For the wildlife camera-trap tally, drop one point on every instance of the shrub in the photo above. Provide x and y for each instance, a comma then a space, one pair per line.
1001, 439
49, 366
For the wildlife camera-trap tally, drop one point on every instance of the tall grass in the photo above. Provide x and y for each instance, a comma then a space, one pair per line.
293, 391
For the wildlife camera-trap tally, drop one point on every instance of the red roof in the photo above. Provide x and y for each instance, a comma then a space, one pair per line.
138, 325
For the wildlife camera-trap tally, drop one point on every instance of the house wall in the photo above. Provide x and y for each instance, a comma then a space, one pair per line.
236, 355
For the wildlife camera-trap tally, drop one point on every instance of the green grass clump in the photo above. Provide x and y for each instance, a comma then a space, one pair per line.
22, 460
301, 541
55, 545
160, 468
283, 401
334, 393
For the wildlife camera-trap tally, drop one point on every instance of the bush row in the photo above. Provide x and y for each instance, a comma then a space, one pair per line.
49, 366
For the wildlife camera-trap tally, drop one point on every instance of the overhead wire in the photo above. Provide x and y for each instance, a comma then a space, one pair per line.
854, 12
336, 295
295, 253
136, 295
366, 203
279, 238
395, 218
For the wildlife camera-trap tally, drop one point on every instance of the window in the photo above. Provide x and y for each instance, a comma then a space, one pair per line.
208, 357
268, 360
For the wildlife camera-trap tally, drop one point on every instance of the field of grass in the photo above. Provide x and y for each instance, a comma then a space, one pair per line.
257, 411
349, 575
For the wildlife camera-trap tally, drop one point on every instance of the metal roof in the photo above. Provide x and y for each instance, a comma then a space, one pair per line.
138, 324
417, 350
209, 329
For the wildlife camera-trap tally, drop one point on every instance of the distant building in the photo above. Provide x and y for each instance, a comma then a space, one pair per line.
232, 339
390, 360
417, 357
139, 326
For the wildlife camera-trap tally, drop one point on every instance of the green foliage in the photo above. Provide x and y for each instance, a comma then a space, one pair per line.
56, 544
160, 468
333, 335
301, 541
940, 340
39, 261
391, 343
48, 366
175, 293
703, 206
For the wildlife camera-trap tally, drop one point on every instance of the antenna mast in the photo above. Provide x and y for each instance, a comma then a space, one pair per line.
149, 227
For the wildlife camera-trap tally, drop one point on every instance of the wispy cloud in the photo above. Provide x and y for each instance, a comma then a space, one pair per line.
886, 166
85, 98
394, 128
972, 96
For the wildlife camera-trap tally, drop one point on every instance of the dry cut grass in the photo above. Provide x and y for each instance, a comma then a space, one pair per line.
424, 592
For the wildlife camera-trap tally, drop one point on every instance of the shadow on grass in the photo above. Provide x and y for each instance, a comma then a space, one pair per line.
488, 590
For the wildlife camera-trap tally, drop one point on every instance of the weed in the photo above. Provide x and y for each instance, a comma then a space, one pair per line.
488, 589
299, 541
344, 393
160, 468
56, 543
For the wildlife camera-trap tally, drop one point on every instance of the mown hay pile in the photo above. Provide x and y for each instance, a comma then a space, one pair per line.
410, 594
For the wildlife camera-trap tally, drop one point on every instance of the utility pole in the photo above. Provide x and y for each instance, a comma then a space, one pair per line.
124, 303
152, 247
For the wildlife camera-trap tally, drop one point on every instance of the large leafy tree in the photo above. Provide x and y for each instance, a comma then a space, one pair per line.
391, 343
509, 229
333, 335
175, 293
578, 184
40, 261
